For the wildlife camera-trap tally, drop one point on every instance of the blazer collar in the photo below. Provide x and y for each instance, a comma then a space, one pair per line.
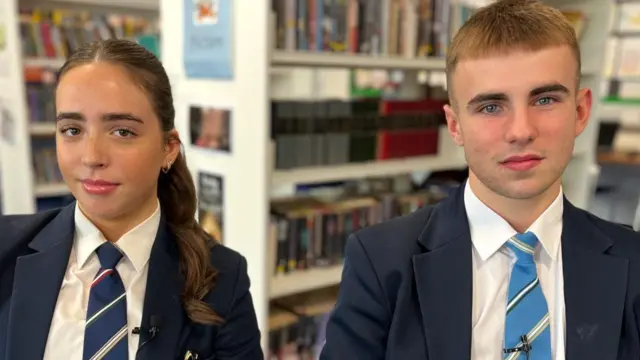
595, 283
63, 226
447, 222
580, 230
443, 274
36, 286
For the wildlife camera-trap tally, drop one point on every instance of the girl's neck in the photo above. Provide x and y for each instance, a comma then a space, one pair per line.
113, 228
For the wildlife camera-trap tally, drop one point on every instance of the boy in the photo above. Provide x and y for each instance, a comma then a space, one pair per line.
506, 268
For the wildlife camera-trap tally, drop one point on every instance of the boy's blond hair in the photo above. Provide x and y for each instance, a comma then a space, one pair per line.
511, 25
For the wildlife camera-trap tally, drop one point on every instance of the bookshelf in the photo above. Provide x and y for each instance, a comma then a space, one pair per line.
244, 176
448, 157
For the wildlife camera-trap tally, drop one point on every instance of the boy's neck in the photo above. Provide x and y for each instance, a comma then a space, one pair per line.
519, 213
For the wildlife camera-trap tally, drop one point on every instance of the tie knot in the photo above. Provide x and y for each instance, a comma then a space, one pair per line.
523, 245
109, 255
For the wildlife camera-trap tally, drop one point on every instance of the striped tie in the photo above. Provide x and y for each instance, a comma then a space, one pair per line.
105, 334
527, 312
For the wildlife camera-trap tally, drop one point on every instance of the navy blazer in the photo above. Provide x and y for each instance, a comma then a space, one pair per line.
34, 252
406, 289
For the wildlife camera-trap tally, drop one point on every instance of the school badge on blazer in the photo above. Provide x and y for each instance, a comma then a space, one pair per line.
190, 355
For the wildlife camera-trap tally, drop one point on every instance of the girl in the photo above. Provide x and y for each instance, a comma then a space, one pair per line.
124, 272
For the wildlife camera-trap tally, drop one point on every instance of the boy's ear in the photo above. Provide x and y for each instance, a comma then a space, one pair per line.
453, 125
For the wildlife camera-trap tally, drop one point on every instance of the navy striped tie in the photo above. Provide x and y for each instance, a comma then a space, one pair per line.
527, 313
105, 334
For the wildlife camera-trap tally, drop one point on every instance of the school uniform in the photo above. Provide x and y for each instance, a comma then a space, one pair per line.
50, 268
433, 285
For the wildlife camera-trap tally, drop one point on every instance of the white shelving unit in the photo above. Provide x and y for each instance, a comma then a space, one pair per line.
101, 5
298, 282
335, 60
260, 75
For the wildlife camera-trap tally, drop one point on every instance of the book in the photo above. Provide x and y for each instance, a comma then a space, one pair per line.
408, 28
332, 132
55, 33
311, 231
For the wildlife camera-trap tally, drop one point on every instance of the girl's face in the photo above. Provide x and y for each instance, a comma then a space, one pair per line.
110, 144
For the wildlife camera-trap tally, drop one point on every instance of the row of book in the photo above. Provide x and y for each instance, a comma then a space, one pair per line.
55, 33
40, 93
411, 28
45, 162
340, 132
310, 232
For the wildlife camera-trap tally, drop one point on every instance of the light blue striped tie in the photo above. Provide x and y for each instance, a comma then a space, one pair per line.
527, 312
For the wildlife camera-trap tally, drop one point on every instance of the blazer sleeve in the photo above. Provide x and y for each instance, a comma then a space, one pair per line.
359, 323
239, 336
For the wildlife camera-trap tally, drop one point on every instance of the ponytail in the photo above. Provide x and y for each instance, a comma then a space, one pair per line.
177, 195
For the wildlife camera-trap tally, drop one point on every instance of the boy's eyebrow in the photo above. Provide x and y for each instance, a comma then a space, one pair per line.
555, 87
484, 97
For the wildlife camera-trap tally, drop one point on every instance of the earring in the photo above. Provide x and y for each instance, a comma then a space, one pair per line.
166, 169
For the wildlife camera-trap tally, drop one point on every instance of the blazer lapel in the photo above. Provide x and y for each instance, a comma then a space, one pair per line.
444, 276
595, 288
37, 282
162, 299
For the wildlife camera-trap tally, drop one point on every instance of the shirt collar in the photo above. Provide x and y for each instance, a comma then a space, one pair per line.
489, 231
136, 244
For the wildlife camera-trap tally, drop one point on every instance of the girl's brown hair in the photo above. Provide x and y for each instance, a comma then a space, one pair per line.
176, 189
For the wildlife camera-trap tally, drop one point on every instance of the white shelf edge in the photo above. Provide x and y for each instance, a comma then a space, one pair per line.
360, 61
304, 280
55, 63
144, 5
51, 190
366, 169
42, 129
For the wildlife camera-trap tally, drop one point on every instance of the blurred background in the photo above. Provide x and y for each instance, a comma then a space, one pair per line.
304, 120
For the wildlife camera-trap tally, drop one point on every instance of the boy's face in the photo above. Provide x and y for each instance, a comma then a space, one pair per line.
517, 117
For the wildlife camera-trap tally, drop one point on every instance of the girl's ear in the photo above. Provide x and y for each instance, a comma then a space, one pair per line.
172, 147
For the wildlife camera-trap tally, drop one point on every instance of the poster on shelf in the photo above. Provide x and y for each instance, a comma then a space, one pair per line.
208, 39
211, 204
210, 128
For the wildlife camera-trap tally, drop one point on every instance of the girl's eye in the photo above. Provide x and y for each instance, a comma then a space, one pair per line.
124, 133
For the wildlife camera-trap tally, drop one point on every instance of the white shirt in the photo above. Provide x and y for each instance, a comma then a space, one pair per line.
66, 334
492, 263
